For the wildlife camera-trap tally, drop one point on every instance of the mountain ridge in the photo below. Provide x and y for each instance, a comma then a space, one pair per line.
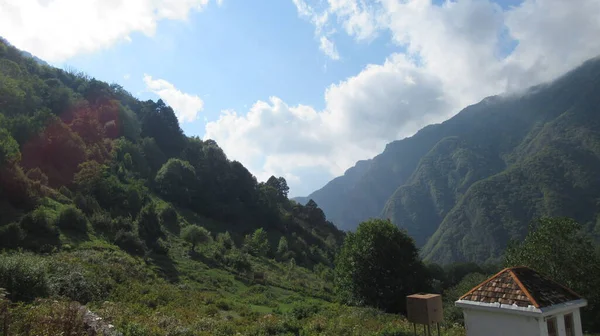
431, 183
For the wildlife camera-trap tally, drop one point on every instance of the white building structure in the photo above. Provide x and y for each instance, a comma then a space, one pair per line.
519, 301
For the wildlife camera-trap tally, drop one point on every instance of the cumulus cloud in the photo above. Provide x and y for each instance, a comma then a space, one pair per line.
362, 114
455, 54
329, 48
186, 106
55, 30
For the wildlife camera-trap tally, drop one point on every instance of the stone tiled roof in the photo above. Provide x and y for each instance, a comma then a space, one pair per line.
520, 286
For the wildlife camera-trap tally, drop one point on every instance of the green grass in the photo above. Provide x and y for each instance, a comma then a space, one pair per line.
185, 293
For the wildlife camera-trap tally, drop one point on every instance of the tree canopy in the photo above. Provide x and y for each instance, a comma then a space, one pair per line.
559, 249
378, 266
195, 235
175, 180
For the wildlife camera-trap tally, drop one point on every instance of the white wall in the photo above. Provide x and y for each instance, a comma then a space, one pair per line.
560, 323
485, 323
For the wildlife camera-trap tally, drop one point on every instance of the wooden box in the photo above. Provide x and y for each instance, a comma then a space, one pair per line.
424, 308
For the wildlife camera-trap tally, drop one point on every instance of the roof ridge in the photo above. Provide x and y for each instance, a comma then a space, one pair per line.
484, 282
521, 286
552, 280
523, 289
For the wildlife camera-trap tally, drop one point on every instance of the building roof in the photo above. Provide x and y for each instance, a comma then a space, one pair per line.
520, 286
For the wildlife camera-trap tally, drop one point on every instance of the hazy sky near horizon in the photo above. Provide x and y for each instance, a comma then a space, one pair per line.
305, 88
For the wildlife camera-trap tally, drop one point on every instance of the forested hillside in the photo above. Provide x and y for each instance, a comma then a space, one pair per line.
465, 187
72, 141
104, 201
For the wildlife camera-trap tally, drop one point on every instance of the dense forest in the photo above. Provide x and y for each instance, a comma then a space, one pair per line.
72, 146
467, 187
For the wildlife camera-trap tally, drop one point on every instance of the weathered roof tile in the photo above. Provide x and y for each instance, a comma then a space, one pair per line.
520, 286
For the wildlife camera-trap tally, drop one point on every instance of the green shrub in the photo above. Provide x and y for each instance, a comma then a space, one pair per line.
11, 236
161, 247
257, 243
74, 282
40, 234
238, 260
149, 225
38, 175
135, 199
123, 224
130, 242
134, 329
195, 235
223, 305
72, 219
169, 218
102, 223
65, 191
23, 276
87, 204
304, 310
225, 240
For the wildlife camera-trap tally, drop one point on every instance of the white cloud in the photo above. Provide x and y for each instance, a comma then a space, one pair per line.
126, 76
55, 30
186, 106
319, 21
329, 48
362, 114
456, 54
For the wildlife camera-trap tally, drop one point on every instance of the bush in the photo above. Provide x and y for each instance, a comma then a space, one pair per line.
257, 244
238, 260
11, 236
101, 222
161, 247
38, 175
169, 218
40, 234
65, 191
46, 317
23, 276
123, 224
194, 235
130, 242
304, 310
225, 240
88, 204
72, 219
74, 282
149, 225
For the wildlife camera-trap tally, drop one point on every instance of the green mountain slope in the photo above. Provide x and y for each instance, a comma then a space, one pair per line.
464, 187
96, 191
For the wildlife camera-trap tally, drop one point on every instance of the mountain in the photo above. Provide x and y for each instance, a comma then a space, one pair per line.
464, 188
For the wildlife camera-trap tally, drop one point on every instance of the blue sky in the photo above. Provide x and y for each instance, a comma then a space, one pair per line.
305, 88
231, 55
